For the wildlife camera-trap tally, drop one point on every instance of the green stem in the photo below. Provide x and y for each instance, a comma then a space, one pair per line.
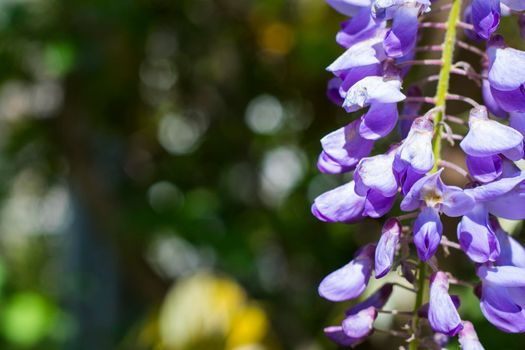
441, 100
444, 77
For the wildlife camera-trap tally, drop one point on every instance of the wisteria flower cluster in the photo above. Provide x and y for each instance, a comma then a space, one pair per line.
382, 42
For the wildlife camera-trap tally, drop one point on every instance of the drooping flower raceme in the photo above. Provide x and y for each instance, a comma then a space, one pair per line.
382, 40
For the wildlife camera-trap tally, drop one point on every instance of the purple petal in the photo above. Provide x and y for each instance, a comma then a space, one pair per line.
511, 100
427, 233
468, 339
489, 101
401, 39
499, 308
349, 281
360, 325
360, 26
376, 173
379, 121
506, 71
516, 5
363, 53
377, 205
332, 91
502, 276
386, 247
415, 197
442, 314
456, 202
476, 236
484, 169
327, 165
485, 17
345, 147
341, 204
487, 137
372, 90
423, 310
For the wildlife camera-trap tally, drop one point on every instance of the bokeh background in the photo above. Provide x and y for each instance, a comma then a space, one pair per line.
157, 165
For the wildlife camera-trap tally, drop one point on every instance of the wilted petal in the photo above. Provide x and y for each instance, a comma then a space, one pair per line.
351, 280
387, 246
476, 236
379, 121
376, 173
341, 204
485, 17
360, 325
468, 339
484, 169
416, 151
487, 137
442, 314
401, 39
427, 233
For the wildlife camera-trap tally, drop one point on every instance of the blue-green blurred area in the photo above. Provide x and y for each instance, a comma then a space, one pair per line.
157, 165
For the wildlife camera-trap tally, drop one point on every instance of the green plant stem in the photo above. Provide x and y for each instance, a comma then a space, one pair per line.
441, 100
444, 77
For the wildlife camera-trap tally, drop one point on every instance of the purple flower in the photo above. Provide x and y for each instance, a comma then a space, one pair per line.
416, 151
343, 149
487, 137
489, 100
512, 253
376, 173
431, 192
506, 76
360, 324
468, 339
485, 17
387, 9
442, 314
343, 204
427, 233
423, 310
351, 280
476, 236
386, 247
